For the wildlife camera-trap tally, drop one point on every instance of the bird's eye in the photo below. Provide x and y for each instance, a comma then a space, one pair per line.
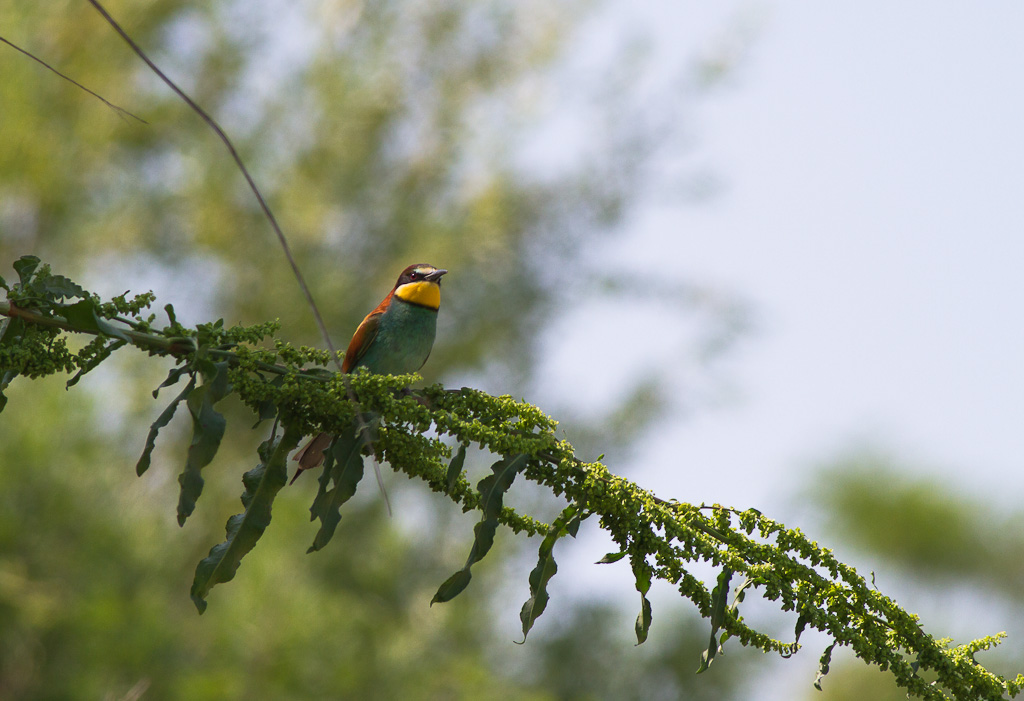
414, 275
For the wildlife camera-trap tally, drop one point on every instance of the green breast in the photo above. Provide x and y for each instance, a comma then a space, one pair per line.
404, 339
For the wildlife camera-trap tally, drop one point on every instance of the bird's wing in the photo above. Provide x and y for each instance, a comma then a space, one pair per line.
364, 336
312, 454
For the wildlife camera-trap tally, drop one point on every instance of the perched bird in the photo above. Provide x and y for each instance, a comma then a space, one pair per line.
393, 339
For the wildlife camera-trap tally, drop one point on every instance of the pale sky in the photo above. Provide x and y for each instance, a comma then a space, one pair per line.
872, 156
873, 161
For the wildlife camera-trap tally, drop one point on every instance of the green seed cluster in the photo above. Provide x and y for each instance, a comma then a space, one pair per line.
124, 306
34, 351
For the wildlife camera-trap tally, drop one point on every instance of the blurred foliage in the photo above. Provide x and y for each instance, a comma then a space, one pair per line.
852, 681
382, 133
921, 525
942, 541
93, 572
576, 664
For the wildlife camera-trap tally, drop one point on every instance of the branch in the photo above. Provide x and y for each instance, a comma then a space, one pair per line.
121, 112
425, 433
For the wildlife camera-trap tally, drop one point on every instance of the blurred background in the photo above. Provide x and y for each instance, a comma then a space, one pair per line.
757, 253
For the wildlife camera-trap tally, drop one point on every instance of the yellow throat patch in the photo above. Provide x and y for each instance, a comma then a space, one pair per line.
423, 293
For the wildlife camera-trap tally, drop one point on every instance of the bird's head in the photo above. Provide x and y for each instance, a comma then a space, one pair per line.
420, 284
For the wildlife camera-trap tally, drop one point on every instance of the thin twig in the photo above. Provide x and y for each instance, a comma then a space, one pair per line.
269, 215
121, 111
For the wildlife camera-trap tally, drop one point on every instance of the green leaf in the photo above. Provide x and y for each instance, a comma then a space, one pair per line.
108, 329
568, 522
823, 665
3, 283
493, 487
95, 361
642, 574
6, 377
801, 624
25, 266
343, 464
611, 557
12, 331
492, 491
719, 596
643, 620
573, 527
82, 315
165, 418
172, 378
455, 467
741, 593
207, 431
244, 530
58, 286
452, 586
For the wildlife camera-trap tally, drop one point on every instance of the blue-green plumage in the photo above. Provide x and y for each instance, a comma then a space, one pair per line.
405, 335
393, 339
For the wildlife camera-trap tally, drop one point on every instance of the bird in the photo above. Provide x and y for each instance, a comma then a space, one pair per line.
394, 339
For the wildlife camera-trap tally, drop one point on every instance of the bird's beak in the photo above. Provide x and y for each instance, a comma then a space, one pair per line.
434, 276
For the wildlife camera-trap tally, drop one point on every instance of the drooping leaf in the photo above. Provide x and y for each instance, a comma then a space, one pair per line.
539, 577
95, 361
492, 491
741, 592
165, 418
719, 597
801, 624
244, 530
643, 620
567, 523
493, 487
172, 378
455, 467
452, 586
642, 574
3, 284
343, 464
823, 665
207, 431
